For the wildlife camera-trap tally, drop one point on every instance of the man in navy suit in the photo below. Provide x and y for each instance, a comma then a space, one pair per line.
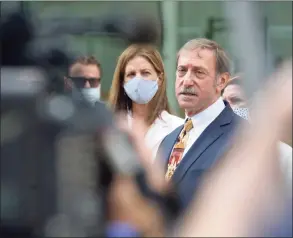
202, 73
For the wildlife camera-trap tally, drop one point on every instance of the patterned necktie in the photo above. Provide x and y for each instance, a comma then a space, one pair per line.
178, 149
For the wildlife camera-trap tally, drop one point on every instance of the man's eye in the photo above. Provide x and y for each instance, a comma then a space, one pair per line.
181, 70
236, 100
199, 72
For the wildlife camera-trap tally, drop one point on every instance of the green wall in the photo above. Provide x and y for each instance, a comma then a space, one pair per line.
192, 17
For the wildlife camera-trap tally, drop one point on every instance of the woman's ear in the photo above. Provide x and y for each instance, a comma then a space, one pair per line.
160, 78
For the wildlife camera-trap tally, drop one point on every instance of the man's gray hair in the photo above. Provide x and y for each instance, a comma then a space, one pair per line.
222, 59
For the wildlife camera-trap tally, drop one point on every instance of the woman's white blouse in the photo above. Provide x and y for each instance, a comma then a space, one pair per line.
159, 130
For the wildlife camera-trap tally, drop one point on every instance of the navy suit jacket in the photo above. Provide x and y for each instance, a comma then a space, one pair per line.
205, 151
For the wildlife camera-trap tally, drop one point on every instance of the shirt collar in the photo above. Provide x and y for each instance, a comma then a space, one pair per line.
209, 114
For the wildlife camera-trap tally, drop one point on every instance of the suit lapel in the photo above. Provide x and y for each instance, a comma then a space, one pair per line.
208, 137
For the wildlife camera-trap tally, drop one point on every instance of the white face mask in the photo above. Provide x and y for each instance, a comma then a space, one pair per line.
242, 112
92, 95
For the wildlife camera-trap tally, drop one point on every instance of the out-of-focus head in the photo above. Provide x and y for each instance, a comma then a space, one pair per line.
234, 94
85, 72
139, 75
203, 69
85, 75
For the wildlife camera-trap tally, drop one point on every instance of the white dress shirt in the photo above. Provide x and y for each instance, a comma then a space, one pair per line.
285, 155
202, 120
160, 128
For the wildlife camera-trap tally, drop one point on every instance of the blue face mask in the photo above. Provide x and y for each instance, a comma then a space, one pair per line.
141, 90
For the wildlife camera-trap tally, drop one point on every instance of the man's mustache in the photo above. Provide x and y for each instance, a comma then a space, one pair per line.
189, 90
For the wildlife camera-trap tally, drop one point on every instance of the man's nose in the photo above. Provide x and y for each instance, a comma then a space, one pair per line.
187, 80
87, 84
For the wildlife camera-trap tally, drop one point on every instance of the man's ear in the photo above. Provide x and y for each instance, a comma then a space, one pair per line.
67, 84
222, 81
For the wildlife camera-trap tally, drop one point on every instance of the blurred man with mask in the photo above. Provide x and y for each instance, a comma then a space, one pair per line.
235, 96
84, 75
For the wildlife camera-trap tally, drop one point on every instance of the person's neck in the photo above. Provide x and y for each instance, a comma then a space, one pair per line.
139, 110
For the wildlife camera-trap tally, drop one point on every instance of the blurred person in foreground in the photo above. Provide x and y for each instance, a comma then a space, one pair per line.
242, 196
85, 74
139, 89
234, 94
202, 73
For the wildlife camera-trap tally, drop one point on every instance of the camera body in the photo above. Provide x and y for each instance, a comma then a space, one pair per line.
56, 162
51, 158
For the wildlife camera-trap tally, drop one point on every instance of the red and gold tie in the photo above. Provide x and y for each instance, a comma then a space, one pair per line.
178, 149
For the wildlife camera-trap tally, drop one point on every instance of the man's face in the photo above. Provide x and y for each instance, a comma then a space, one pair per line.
83, 76
234, 95
197, 85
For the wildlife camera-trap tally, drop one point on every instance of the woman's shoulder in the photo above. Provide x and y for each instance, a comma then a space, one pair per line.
172, 120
